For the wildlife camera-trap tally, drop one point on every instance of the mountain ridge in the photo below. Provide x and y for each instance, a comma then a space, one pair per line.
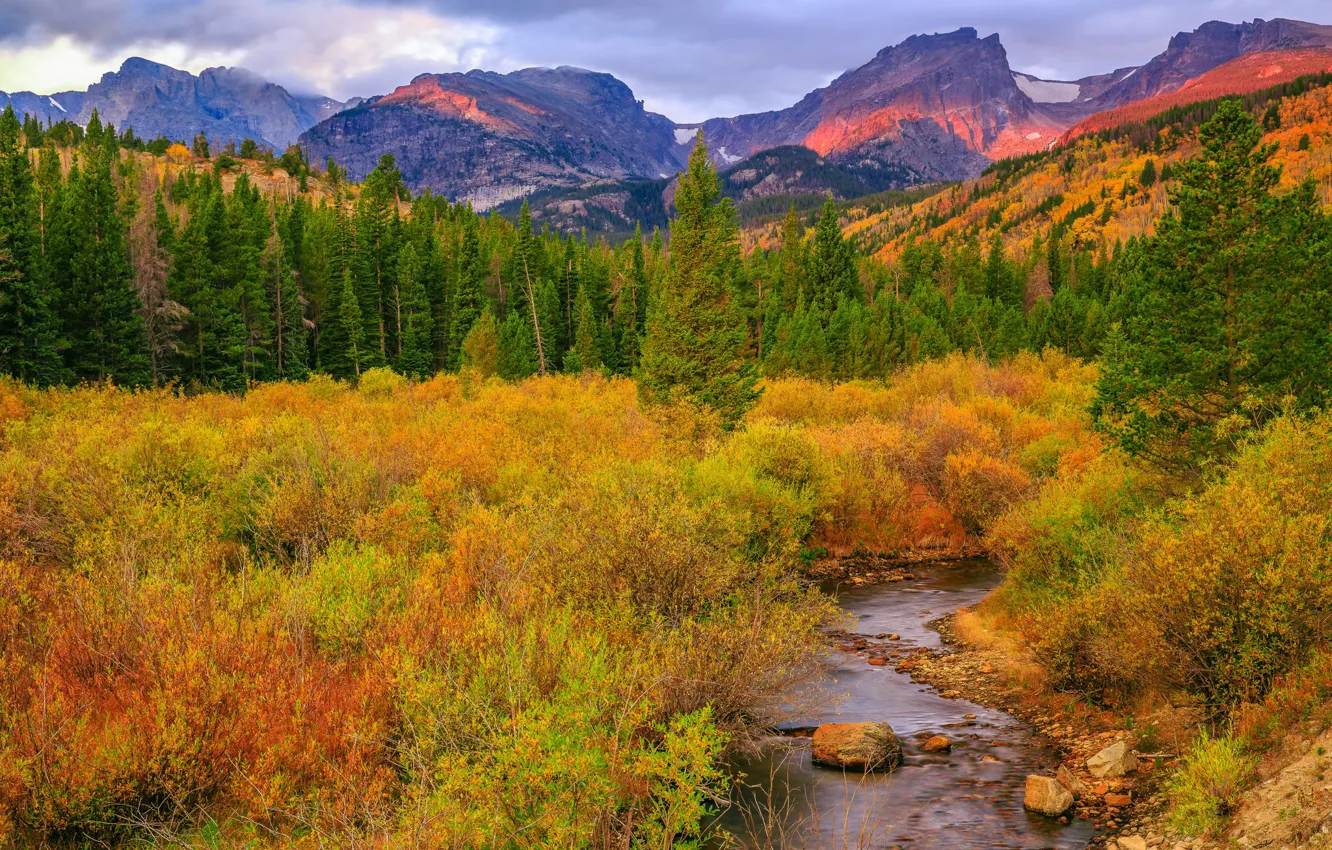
226, 104
936, 107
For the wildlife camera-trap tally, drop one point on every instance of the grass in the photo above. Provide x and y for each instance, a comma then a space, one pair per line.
1209, 784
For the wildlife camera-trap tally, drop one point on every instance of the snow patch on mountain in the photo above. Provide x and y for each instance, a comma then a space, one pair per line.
1047, 91
56, 104
685, 135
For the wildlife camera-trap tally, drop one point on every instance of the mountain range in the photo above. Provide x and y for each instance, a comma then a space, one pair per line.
934, 108
227, 104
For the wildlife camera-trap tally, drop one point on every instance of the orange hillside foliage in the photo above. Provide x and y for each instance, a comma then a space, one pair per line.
1107, 175
1240, 76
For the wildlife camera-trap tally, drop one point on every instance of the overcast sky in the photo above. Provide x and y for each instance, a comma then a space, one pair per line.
688, 59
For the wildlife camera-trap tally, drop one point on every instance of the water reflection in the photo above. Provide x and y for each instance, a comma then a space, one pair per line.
969, 798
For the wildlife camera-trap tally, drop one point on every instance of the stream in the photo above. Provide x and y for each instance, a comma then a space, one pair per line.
970, 797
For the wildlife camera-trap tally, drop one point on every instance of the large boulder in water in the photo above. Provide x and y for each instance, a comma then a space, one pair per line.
1112, 762
857, 746
1046, 796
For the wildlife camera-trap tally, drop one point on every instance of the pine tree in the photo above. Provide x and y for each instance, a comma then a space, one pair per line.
103, 325
832, 270
28, 328
290, 347
695, 345
518, 355
353, 328
416, 358
1148, 177
792, 277
584, 355
469, 292
1230, 316
1002, 282
377, 228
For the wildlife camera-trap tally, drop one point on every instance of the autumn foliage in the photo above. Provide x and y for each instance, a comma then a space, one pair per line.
438, 613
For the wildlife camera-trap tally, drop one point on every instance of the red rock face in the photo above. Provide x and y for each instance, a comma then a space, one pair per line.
428, 93
942, 105
1246, 74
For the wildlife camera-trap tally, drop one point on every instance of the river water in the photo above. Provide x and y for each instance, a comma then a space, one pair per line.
968, 798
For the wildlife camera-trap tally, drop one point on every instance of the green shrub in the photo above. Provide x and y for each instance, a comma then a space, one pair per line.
1209, 784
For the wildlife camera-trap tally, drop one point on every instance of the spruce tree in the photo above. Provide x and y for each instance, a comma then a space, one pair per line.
832, 270
696, 339
1230, 311
290, 347
416, 358
469, 292
353, 328
104, 330
518, 355
28, 325
792, 276
584, 355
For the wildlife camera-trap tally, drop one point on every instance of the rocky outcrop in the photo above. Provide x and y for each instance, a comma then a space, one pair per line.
1113, 762
1045, 795
941, 105
228, 104
1192, 54
490, 137
858, 747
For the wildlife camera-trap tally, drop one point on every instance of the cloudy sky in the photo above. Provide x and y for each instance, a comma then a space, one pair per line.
689, 59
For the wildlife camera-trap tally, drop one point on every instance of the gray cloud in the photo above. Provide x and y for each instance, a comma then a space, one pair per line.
691, 59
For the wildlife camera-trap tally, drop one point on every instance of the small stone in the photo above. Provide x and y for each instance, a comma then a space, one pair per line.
878, 662
1114, 761
1118, 801
968, 717
1044, 795
894, 637
1132, 842
936, 744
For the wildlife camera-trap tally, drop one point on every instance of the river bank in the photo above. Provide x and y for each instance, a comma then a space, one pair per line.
1290, 806
966, 792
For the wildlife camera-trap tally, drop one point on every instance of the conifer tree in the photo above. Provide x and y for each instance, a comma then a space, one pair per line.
416, 358
290, 349
792, 276
584, 355
28, 329
1231, 312
696, 339
353, 327
103, 327
518, 355
832, 270
469, 291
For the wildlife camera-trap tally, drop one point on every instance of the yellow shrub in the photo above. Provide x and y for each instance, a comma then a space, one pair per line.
978, 488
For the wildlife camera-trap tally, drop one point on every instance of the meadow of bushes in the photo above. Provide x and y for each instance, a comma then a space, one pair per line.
453, 612
1135, 591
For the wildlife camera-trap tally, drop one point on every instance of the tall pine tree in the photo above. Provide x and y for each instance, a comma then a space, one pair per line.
28, 328
696, 338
